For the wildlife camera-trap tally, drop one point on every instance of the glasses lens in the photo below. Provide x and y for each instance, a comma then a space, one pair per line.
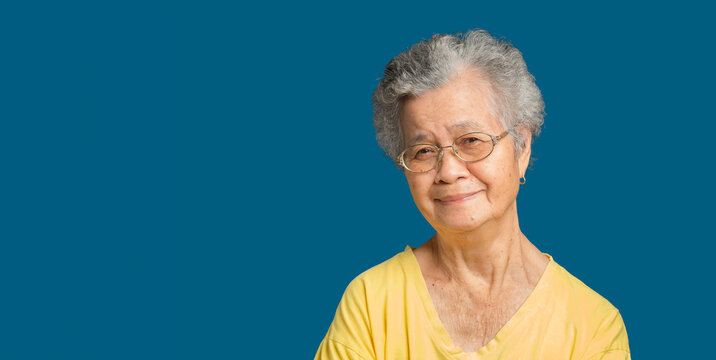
473, 146
421, 158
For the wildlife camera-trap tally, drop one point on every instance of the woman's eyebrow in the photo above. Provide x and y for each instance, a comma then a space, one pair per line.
464, 125
467, 125
417, 138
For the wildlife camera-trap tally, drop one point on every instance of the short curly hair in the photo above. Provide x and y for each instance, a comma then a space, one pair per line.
432, 63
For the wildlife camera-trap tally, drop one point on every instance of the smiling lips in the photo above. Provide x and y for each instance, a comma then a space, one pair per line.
454, 199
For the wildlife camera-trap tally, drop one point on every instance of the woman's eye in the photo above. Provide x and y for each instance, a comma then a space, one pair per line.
471, 141
423, 152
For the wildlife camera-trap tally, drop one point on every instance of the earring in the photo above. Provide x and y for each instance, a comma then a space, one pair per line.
523, 180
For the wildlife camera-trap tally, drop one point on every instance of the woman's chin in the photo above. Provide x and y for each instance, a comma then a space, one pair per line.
459, 225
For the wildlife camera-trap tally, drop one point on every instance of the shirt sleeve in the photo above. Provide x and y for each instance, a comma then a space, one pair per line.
333, 350
610, 342
349, 336
615, 354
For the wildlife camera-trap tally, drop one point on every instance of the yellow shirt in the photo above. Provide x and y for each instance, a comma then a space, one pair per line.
387, 313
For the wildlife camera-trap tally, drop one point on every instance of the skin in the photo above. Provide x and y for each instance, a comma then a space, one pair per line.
479, 267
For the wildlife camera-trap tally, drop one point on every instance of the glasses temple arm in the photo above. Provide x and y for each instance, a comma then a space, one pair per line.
504, 133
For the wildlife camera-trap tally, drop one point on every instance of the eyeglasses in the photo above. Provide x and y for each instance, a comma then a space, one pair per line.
470, 148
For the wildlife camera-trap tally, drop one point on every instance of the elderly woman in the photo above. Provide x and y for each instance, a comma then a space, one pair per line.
458, 115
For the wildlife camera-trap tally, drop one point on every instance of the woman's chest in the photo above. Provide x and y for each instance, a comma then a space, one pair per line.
472, 320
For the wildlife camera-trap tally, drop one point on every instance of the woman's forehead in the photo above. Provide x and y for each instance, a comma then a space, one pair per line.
464, 103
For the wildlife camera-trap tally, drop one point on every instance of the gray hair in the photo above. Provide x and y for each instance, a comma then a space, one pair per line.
431, 64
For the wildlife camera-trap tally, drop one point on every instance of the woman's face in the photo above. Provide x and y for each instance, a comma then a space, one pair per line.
458, 196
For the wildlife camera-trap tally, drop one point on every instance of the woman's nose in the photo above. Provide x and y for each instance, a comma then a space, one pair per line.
450, 168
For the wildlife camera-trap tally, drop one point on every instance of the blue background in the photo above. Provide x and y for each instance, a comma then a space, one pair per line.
146, 212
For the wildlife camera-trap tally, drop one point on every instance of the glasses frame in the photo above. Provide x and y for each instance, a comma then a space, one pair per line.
495, 140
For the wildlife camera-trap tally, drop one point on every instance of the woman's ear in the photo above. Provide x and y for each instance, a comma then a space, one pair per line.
524, 156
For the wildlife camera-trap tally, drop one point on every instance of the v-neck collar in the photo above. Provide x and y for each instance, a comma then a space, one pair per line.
440, 334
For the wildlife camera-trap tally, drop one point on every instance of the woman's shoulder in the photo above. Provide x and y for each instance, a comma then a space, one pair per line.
386, 274
361, 311
574, 293
600, 324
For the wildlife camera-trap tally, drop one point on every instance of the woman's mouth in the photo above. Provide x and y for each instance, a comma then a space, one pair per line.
454, 199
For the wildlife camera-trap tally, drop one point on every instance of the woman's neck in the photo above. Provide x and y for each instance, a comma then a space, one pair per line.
491, 257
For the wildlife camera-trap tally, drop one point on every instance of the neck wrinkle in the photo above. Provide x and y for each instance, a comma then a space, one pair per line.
487, 255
